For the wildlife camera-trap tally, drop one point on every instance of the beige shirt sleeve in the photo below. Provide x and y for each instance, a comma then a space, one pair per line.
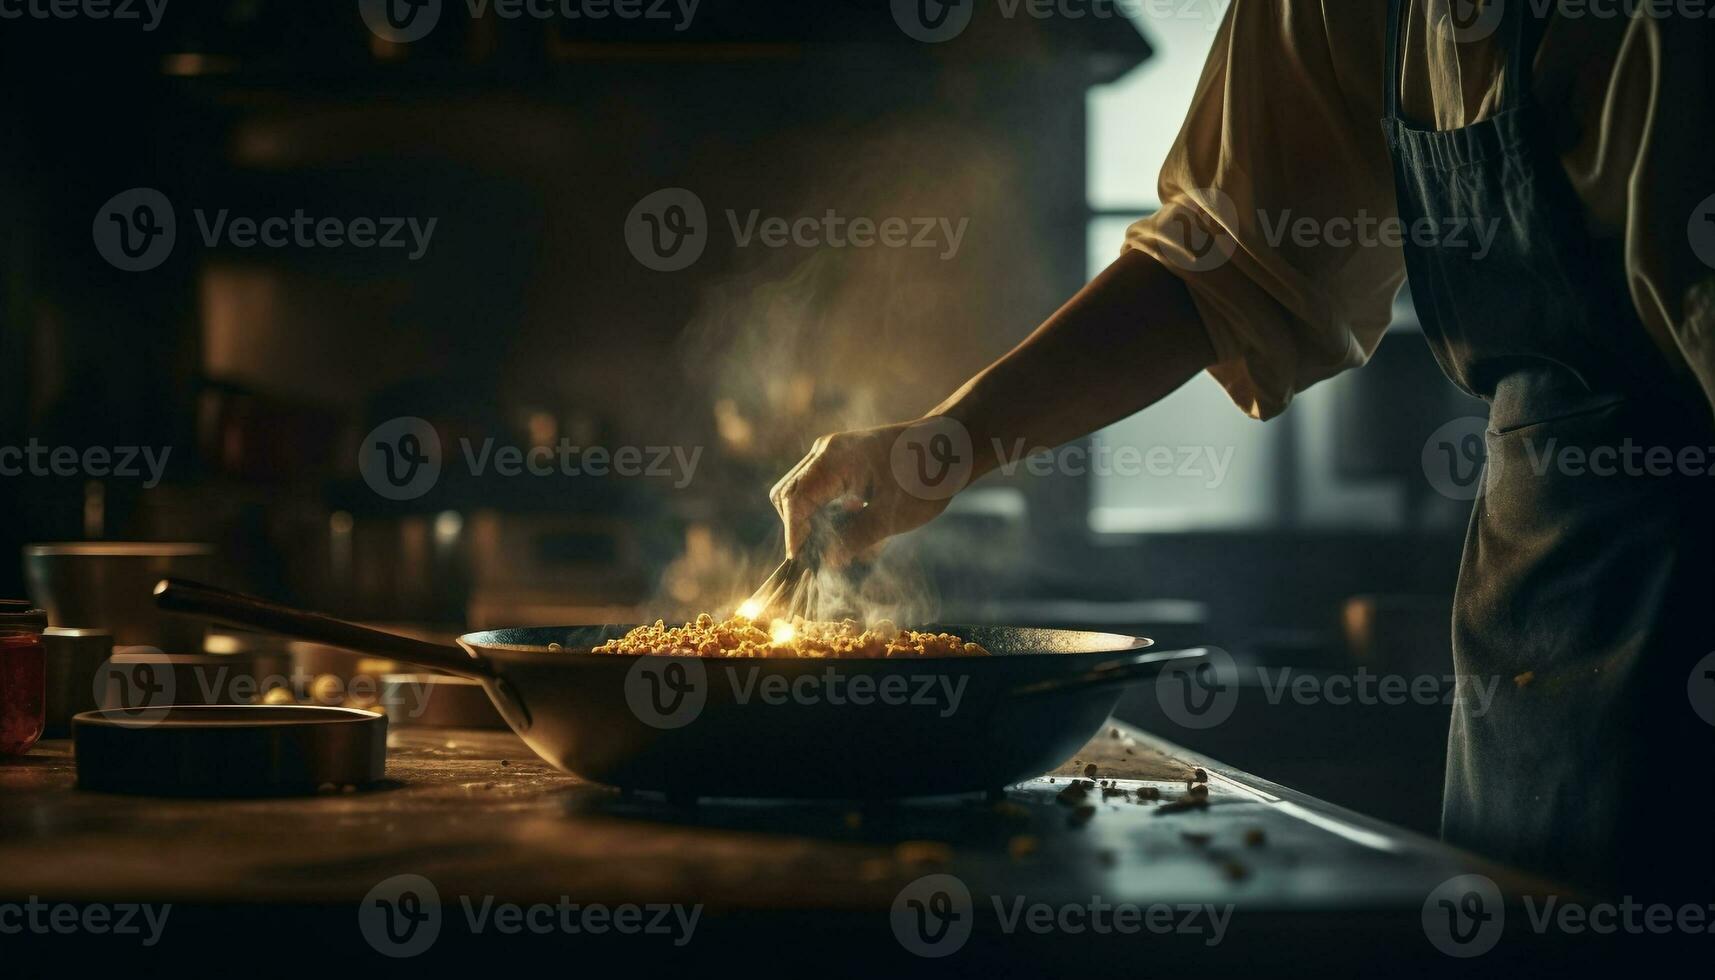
1278, 198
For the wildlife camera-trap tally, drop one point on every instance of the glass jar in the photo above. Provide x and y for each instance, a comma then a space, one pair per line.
23, 676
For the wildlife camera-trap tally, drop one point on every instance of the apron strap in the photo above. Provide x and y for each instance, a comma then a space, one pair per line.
1393, 63
1523, 37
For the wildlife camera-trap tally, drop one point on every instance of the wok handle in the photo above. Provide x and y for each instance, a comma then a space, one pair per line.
1114, 673
238, 609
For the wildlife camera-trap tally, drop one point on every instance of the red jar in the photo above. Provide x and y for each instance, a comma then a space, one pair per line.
23, 677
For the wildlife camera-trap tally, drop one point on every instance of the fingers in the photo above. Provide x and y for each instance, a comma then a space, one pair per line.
818, 479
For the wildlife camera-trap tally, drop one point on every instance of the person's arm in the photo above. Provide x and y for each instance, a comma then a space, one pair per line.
1128, 339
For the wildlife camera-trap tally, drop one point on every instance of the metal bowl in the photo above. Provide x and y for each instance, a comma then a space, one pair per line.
108, 585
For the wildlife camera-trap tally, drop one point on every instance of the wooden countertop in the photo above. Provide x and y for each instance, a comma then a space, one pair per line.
478, 815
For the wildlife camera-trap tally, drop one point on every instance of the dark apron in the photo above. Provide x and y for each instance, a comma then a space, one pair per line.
1587, 597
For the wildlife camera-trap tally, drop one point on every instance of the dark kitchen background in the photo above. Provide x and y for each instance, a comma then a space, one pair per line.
527, 320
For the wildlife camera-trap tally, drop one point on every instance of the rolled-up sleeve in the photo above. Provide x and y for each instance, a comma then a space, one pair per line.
1275, 197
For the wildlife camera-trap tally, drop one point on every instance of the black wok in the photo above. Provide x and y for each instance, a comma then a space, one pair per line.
705, 726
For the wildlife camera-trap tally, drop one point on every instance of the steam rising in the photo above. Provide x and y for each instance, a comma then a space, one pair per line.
796, 342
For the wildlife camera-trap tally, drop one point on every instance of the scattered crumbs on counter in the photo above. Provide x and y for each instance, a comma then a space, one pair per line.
1090, 771
1113, 733
1148, 793
1198, 791
1199, 776
1182, 804
506, 762
1523, 680
1112, 791
1021, 846
922, 852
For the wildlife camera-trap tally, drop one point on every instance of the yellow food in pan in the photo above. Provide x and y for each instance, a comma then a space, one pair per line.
739, 637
